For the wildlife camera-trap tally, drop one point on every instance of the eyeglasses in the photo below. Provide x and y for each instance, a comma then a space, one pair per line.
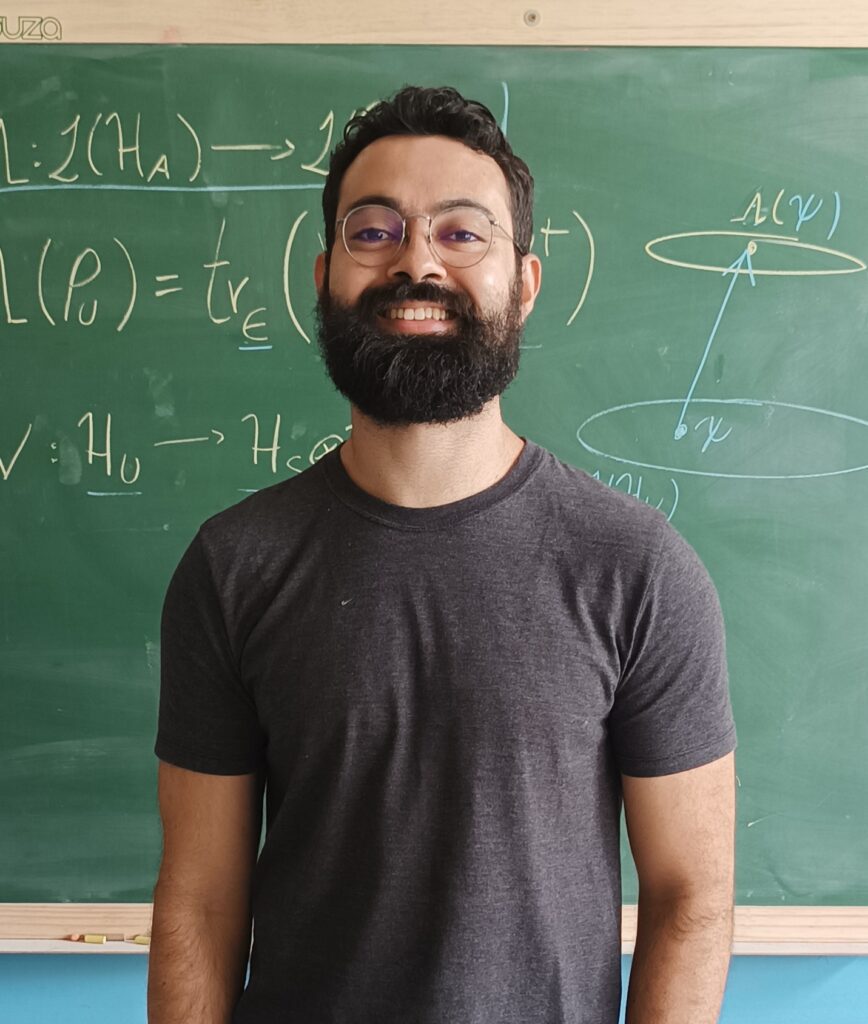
460, 236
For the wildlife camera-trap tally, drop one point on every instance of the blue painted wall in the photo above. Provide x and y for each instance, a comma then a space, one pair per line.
48, 989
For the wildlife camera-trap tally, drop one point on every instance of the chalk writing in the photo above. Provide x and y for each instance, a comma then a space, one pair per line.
106, 453
7, 467
107, 141
99, 449
762, 255
625, 482
806, 209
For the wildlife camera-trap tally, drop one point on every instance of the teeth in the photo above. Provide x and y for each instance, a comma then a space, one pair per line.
419, 313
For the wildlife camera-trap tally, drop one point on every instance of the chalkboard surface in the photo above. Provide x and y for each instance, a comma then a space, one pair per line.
700, 341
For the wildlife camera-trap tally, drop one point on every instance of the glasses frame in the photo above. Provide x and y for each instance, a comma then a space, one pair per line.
341, 223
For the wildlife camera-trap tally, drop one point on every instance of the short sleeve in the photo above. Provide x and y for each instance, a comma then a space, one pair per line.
672, 709
207, 719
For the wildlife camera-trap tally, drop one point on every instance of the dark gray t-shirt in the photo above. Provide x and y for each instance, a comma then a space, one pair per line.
442, 700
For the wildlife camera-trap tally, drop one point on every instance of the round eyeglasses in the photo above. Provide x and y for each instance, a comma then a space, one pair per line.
459, 236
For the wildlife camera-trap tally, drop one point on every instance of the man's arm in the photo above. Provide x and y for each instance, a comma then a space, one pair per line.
681, 833
202, 915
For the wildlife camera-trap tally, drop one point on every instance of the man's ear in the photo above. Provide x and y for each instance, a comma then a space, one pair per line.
320, 271
531, 279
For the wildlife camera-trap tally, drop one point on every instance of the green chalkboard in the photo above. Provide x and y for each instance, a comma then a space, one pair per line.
700, 340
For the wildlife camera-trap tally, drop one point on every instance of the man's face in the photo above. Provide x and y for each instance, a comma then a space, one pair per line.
400, 371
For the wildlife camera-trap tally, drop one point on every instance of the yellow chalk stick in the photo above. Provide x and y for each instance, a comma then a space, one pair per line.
98, 939
142, 940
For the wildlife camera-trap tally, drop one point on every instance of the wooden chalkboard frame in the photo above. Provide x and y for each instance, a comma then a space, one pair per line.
765, 931
43, 927
505, 22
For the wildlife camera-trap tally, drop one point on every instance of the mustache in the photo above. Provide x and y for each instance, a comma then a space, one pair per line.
375, 300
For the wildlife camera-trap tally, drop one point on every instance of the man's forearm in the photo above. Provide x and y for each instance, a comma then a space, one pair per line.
198, 960
680, 961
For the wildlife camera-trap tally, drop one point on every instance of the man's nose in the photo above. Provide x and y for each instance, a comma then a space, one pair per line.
415, 259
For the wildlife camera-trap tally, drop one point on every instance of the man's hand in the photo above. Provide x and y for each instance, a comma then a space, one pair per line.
681, 830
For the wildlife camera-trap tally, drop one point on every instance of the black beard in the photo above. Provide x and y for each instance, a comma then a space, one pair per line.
398, 379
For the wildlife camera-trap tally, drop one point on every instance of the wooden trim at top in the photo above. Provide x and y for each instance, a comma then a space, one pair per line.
775, 931
836, 23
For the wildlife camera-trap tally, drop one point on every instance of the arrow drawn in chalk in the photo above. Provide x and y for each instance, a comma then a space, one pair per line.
191, 440
736, 270
282, 151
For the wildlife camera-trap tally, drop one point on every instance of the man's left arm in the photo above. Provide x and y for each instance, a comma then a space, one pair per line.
681, 830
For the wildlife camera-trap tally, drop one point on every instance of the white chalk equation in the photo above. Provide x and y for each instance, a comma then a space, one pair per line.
108, 143
84, 280
91, 456
746, 437
114, 153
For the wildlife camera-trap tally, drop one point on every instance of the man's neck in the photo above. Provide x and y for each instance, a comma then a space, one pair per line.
424, 465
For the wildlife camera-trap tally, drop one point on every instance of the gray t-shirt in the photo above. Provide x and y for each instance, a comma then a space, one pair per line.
442, 700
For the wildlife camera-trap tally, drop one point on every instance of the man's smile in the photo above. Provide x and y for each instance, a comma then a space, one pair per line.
416, 318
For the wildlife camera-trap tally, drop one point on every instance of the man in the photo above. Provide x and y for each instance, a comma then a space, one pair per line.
447, 657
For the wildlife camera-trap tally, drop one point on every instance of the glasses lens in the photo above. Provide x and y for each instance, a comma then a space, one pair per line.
461, 236
373, 234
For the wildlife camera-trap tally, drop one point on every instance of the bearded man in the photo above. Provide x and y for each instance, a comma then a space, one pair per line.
446, 658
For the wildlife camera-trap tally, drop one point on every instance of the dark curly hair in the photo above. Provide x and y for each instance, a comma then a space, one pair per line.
442, 111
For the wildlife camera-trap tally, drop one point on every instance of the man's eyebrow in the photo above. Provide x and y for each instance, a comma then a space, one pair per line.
375, 200
448, 204
444, 204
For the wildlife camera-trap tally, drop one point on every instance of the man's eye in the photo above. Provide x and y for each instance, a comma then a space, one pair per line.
373, 235
459, 235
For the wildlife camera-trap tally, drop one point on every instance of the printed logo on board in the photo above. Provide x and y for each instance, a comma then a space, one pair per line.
28, 27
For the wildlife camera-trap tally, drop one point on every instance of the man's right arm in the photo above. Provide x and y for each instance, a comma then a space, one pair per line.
200, 938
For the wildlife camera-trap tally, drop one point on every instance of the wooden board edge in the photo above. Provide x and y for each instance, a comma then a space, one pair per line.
56, 921
838, 23
55, 946
785, 931
759, 931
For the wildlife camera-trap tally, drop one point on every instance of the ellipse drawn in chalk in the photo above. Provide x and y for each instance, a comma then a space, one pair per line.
729, 402
773, 240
